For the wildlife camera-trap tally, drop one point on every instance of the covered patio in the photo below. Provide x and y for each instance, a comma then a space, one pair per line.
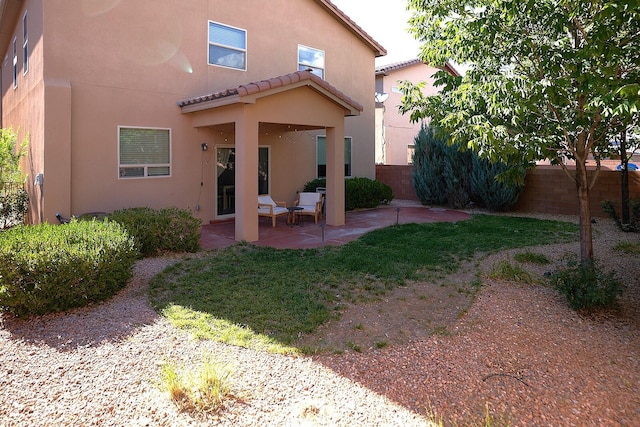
310, 235
301, 100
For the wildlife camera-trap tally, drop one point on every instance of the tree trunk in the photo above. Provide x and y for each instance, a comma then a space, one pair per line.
586, 240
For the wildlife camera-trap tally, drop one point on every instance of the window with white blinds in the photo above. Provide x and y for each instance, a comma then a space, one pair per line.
227, 46
144, 152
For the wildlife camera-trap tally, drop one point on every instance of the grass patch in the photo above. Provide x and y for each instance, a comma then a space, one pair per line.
628, 247
267, 298
505, 270
532, 258
197, 391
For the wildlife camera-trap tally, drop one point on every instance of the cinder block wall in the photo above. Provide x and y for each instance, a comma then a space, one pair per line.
547, 189
398, 177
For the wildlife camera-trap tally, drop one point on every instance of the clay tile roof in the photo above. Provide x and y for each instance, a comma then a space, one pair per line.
273, 83
386, 69
397, 66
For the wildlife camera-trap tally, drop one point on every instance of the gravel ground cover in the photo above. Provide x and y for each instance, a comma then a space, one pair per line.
519, 353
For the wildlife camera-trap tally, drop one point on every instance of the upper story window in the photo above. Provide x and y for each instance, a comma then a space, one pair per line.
311, 59
25, 45
15, 63
227, 46
144, 152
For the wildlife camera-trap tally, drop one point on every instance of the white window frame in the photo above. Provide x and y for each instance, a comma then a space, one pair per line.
411, 151
347, 161
210, 43
25, 45
304, 65
15, 62
145, 166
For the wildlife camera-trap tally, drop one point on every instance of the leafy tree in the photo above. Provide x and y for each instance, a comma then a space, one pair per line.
547, 79
10, 155
14, 200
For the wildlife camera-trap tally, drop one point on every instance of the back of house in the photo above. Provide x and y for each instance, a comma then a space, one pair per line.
198, 104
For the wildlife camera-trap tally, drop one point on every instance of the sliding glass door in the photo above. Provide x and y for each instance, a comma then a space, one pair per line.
226, 178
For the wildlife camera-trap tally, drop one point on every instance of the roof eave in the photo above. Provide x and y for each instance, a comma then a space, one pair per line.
353, 27
214, 103
9, 11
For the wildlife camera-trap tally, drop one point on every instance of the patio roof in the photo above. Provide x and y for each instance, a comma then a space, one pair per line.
248, 93
300, 99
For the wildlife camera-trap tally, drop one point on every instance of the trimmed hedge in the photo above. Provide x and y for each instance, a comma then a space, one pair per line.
359, 193
159, 231
47, 268
14, 203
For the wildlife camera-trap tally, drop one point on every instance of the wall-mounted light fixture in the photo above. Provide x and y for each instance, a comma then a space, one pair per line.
204, 146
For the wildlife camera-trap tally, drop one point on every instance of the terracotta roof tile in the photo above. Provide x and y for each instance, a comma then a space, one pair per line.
385, 69
397, 66
273, 83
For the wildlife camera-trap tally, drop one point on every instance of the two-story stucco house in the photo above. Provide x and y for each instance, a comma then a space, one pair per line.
199, 104
395, 134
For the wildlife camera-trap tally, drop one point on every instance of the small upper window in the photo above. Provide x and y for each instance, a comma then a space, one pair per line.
15, 63
25, 45
144, 152
227, 46
311, 59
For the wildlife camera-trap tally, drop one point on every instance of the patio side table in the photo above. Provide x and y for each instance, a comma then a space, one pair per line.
295, 218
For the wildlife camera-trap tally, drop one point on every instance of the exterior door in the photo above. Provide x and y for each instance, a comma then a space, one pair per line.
226, 178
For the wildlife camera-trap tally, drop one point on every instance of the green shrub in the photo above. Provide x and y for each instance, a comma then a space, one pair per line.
359, 193
428, 167
446, 174
312, 185
490, 192
586, 286
14, 203
47, 268
365, 193
159, 231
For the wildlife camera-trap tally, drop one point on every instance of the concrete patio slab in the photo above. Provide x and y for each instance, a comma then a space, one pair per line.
310, 235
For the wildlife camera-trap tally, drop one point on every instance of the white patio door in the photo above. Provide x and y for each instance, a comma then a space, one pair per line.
226, 178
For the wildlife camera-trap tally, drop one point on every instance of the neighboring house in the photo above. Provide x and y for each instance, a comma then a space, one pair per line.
395, 134
199, 104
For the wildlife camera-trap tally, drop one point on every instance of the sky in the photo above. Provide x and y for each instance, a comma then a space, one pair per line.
386, 22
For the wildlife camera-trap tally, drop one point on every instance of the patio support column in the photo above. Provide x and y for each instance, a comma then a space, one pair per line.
335, 175
246, 191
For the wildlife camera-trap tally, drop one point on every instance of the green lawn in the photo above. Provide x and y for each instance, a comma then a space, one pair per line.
265, 298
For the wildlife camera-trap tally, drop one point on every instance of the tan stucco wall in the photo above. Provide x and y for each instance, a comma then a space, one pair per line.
23, 109
127, 63
399, 132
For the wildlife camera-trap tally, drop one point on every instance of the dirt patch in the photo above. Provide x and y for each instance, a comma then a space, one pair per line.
402, 315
